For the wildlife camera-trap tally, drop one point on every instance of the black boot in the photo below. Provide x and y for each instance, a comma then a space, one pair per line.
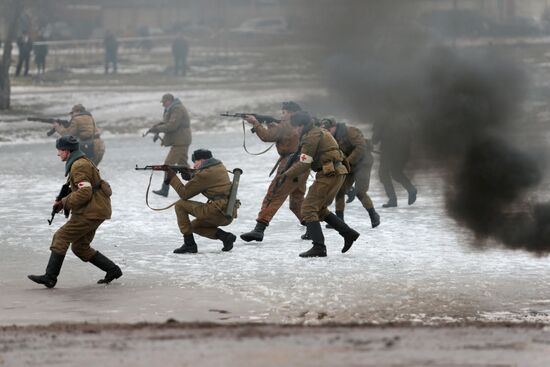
345, 231
306, 235
319, 249
257, 234
351, 195
112, 269
163, 190
227, 238
339, 214
189, 245
52, 271
374, 217
412, 195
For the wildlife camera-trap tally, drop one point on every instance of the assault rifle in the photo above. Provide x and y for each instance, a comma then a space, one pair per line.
186, 172
65, 190
152, 131
64, 123
262, 119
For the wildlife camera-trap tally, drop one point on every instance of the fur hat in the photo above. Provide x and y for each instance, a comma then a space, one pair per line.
67, 142
291, 106
167, 97
328, 122
77, 108
201, 154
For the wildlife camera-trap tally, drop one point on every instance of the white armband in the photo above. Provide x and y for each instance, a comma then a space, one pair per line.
82, 184
304, 158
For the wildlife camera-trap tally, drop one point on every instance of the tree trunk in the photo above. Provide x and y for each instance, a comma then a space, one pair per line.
12, 11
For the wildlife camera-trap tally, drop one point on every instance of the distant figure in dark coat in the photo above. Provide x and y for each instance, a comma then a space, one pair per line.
24, 44
110, 44
393, 134
40, 53
180, 49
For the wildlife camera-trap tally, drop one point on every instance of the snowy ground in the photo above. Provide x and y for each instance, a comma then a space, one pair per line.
416, 266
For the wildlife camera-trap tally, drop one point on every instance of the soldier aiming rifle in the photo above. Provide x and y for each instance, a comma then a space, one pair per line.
64, 123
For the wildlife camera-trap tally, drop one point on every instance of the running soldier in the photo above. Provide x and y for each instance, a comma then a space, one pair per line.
176, 127
320, 153
286, 141
90, 205
395, 145
358, 154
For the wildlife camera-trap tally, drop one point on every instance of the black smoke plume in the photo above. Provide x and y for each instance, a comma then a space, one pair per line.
462, 107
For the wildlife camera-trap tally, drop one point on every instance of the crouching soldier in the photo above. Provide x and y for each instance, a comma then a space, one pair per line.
90, 205
210, 179
320, 153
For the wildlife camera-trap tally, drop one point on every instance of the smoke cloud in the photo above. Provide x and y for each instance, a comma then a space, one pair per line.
460, 105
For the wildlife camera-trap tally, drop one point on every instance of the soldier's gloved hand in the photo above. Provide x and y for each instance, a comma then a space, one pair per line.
154, 130
58, 206
186, 175
251, 119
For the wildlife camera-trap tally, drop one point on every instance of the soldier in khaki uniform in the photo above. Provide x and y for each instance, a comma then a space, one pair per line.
90, 205
82, 126
320, 153
176, 127
212, 181
358, 154
286, 141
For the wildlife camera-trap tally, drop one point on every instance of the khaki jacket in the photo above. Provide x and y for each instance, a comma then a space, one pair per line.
212, 181
352, 143
286, 141
82, 126
90, 195
175, 125
318, 148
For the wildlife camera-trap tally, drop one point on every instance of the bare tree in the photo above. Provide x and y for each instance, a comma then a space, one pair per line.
11, 10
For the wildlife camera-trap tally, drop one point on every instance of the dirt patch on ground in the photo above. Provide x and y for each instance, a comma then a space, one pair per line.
211, 344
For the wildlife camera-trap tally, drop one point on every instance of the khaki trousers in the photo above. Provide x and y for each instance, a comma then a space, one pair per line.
78, 233
208, 217
319, 196
360, 175
275, 197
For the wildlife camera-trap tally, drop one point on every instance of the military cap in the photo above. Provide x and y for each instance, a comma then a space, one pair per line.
301, 118
291, 106
201, 154
67, 142
77, 108
167, 97
328, 122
